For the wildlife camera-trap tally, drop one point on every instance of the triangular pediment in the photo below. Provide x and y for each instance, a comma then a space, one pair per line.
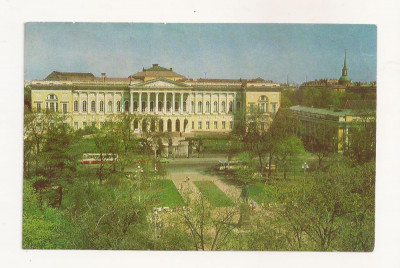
160, 83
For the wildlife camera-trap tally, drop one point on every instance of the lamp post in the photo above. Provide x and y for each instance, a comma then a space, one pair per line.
304, 167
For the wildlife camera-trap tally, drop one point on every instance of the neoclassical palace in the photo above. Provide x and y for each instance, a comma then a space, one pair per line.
180, 104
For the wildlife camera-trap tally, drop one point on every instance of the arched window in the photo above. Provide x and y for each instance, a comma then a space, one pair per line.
135, 106
168, 106
199, 107
110, 106
143, 106
75, 106
118, 106
176, 106
223, 108
230, 106
215, 107
207, 107
151, 106
126, 106
93, 106
101, 106
184, 106
52, 97
160, 106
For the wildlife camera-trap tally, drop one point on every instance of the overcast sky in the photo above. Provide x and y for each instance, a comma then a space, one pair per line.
270, 51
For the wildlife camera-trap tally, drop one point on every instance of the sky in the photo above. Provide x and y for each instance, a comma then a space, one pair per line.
271, 51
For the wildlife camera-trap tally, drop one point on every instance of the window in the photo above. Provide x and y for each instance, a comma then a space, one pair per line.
101, 106
110, 106
126, 106
151, 106
199, 125
230, 107
168, 106
143, 106
135, 106
160, 106
118, 106
261, 107
238, 105
184, 106
84, 124
273, 107
215, 107
65, 106
75, 106
199, 107
75, 125
215, 124
207, 107
38, 106
192, 107
207, 124
84, 106
251, 107
223, 124
192, 123
223, 107
52, 106
231, 125
176, 106
51, 97
93, 106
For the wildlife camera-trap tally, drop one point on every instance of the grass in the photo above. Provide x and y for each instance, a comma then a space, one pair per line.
164, 194
214, 195
257, 193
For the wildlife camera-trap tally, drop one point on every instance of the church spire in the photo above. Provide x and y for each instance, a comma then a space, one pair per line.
344, 70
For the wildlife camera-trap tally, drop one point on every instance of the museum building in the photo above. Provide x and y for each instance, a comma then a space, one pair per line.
179, 104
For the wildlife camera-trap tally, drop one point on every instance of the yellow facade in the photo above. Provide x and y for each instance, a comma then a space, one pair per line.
177, 106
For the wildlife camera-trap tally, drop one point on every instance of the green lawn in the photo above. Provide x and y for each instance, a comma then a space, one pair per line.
257, 193
163, 193
214, 195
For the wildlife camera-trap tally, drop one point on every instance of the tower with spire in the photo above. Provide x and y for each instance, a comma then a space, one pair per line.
344, 79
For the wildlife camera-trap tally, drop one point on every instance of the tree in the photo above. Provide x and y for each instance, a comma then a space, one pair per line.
288, 148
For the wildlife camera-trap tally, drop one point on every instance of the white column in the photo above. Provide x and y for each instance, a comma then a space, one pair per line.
173, 102
114, 106
165, 102
181, 103
195, 102
203, 107
219, 104
79, 102
157, 103
190, 103
226, 104
140, 102
234, 102
97, 103
131, 103
148, 102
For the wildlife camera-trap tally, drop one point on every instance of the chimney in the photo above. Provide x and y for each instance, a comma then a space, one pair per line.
103, 75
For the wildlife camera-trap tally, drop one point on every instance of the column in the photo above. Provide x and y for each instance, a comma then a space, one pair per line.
156, 103
114, 104
226, 104
190, 103
148, 102
97, 103
130, 104
79, 102
165, 102
219, 105
181, 103
173, 102
234, 103
195, 102
203, 108
140, 102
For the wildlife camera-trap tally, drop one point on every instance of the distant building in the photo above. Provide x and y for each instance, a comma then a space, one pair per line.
180, 104
331, 125
344, 80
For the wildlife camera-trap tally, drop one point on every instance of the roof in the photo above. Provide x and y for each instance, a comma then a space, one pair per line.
61, 76
156, 71
333, 112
